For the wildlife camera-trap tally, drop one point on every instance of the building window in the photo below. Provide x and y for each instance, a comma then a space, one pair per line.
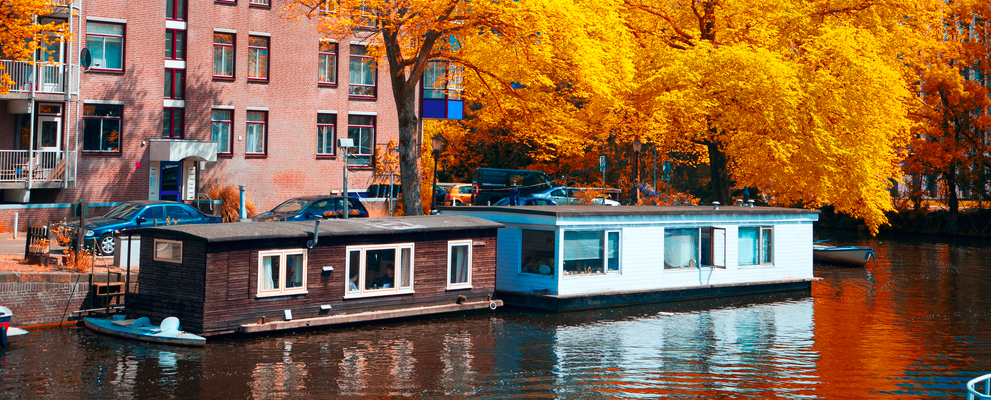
262, 3
459, 264
362, 82
223, 55
591, 252
258, 58
172, 123
175, 44
379, 270
175, 10
105, 43
281, 272
755, 246
538, 253
443, 80
168, 250
325, 134
101, 128
174, 83
694, 248
222, 122
361, 129
328, 63
257, 121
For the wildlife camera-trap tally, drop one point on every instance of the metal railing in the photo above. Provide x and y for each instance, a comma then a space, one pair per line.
973, 393
37, 166
40, 78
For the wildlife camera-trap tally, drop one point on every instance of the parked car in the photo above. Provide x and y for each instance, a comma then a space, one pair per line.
488, 185
458, 195
307, 208
527, 201
132, 214
571, 195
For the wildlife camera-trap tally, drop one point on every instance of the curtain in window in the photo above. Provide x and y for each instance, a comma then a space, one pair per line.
748, 246
459, 264
681, 248
294, 269
270, 273
765, 245
582, 245
221, 132
405, 271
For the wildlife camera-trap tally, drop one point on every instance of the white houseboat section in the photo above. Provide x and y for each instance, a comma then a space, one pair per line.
559, 258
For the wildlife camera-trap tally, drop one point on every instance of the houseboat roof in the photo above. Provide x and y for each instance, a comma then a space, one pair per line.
216, 233
632, 211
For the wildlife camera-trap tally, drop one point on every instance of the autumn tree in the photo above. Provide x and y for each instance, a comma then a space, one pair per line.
952, 141
531, 37
22, 35
806, 100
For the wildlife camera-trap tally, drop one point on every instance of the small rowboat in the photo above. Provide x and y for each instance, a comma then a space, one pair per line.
852, 255
141, 329
8, 333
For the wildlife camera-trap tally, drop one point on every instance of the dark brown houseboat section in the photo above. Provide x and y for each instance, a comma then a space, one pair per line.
255, 277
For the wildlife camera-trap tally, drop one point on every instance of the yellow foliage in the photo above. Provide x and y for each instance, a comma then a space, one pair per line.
230, 197
22, 35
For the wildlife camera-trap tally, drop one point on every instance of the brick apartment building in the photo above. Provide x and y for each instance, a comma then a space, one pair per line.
180, 93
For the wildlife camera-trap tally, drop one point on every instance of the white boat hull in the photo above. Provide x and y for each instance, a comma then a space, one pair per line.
858, 256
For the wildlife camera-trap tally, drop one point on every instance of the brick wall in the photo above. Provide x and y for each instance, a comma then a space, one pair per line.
40, 299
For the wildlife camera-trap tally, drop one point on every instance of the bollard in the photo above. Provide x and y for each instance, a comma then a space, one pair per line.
243, 214
15, 225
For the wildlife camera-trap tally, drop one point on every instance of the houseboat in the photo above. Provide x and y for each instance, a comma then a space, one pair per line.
254, 277
559, 258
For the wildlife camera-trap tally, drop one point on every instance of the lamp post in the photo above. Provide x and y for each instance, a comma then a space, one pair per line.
345, 145
637, 145
437, 141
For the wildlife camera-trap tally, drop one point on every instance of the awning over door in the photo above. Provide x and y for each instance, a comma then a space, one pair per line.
178, 150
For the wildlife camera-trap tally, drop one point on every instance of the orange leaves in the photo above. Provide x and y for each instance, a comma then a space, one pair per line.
22, 35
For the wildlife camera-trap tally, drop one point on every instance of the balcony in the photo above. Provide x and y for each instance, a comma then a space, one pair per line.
39, 169
41, 79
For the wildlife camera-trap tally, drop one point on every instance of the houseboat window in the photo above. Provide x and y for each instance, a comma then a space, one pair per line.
755, 245
612, 251
695, 247
459, 264
168, 250
538, 252
379, 270
592, 252
281, 272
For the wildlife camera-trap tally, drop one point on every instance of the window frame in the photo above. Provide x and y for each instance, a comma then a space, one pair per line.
331, 142
171, 111
604, 248
120, 127
333, 53
450, 247
175, 6
397, 289
230, 129
260, 4
373, 70
172, 47
760, 253
233, 53
167, 241
252, 49
366, 159
264, 124
699, 248
123, 44
553, 254
281, 289
176, 86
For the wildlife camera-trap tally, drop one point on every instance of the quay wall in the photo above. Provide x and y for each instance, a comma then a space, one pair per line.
46, 298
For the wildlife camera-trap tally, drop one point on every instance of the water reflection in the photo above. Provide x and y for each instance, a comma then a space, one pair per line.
911, 324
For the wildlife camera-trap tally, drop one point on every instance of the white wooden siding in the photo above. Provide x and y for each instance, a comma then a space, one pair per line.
508, 259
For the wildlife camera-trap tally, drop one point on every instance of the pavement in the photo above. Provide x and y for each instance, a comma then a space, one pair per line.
9, 245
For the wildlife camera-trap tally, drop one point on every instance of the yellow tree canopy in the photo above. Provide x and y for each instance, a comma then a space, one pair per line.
22, 35
807, 100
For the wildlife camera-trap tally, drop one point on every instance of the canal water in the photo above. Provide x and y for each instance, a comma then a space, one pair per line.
915, 323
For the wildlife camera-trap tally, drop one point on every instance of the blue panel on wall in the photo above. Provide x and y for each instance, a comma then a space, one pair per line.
455, 109
433, 109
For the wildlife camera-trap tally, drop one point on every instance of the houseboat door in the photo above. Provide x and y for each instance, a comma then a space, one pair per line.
171, 184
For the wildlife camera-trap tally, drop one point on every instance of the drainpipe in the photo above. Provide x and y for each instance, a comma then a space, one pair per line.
243, 215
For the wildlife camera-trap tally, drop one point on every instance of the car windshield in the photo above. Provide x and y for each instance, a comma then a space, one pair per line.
123, 211
291, 206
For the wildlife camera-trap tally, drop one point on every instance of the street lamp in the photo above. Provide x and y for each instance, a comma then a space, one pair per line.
438, 142
345, 145
637, 145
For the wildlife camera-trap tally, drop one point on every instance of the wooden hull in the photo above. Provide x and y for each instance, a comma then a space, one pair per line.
850, 255
146, 334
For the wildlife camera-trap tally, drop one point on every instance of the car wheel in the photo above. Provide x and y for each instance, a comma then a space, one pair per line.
106, 244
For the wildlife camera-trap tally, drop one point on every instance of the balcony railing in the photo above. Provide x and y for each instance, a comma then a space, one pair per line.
42, 77
36, 167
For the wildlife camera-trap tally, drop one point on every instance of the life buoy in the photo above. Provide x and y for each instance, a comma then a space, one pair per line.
493, 305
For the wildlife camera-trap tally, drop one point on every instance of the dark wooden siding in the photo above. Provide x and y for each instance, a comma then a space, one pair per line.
231, 271
169, 289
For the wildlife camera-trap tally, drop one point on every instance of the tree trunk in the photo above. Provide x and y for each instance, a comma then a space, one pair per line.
409, 152
719, 174
954, 203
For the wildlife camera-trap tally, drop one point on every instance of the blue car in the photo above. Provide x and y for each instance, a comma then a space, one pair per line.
132, 214
307, 208
527, 201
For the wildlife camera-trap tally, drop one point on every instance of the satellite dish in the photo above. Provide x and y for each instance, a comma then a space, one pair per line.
84, 58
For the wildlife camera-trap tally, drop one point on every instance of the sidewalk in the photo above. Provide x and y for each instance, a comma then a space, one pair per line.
9, 245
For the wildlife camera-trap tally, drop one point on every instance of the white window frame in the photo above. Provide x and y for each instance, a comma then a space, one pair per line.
605, 252
450, 252
172, 242
397, 289
281, 285
760, 249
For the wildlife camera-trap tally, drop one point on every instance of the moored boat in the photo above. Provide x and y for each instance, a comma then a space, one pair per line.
851, 255
141, 329
8, 334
